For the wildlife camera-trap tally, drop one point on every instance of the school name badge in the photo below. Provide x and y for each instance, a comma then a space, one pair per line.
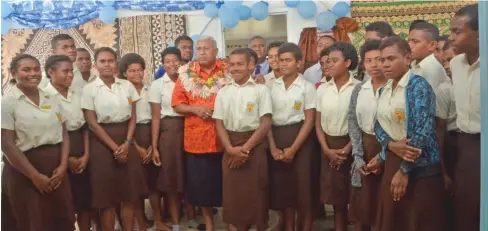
250, 107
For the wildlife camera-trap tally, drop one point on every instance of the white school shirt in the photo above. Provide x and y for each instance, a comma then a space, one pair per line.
78, 81
269, 79
143, 109
112, 105
71, 106
466, 85
431, 70
289, 104
241, 107
33, 125
445, 105
391, 113
366, 107
333, 105
161, 91
313, 74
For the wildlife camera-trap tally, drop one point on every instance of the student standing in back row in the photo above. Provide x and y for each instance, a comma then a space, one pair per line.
332, 104
59, 69
243, 115
423, 42
314, 73
36, 147
411, 191
274, 63
294, 163
117, 174
465, 70
361, 118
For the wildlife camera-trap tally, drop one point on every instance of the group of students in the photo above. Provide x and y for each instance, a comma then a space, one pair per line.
398, 150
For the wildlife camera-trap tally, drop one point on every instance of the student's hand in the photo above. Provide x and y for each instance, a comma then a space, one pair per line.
288, 155
363, 171
373, 166
448, 185
203, 112
259, 79
83, 163
335, 158
276, 153
73, 164
237, 158
345, 151
404, 151
58, 176
398, 185
155, 157
122, 152
148, 156
42, 183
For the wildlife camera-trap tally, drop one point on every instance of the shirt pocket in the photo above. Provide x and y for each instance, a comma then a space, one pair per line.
250, 107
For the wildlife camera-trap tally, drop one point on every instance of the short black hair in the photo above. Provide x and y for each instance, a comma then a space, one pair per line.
14, 64
447, 45
414, 22
291, 48
381, 27
430, 29
402, 44
82, 49
256, 37
171, 51
327, 36
348, 51
324, 52
59, 37
52, 62
274, 44
471, 11
105, 49
368, 46
183, 38
127, 60
243, 51
252, 54
443, 38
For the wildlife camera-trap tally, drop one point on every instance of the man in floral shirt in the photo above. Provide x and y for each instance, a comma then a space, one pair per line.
194, 96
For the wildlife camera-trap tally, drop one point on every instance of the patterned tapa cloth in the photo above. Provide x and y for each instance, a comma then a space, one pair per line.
145, 35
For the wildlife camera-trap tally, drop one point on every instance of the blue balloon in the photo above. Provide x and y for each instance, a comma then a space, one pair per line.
108, 2
341, 9
307, 9
6, 9
229, 17
195, 38
244, 12
171, 44
326, 20
291, 3
211, 10
259, 11
107, 14
233, 4
5, 26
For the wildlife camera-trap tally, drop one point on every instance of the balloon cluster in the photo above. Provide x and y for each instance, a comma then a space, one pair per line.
107, 13
6, 11
325, 20
231, 11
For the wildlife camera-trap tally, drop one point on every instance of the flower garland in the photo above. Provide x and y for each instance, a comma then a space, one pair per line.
193, 82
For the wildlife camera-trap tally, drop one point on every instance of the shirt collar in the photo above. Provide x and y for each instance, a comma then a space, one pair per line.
367, 85
90, 79
99, 82
426, 61
18, 93
349, 82
249, 81
216, 65
298, 81
166, 78
465, 61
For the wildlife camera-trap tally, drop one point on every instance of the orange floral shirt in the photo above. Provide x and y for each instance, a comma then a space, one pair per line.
200, 135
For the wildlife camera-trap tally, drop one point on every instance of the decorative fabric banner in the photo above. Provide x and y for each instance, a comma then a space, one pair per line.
55, 14
401, 14
145, 35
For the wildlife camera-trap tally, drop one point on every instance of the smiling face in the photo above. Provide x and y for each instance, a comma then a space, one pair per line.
372, 63
273, 60
420, 44
337, 65
323, 43
62, 74
394, 63
106, 64
239, 68
463, 37
28, 73
66, 47
171, 64
258, 45
135, 73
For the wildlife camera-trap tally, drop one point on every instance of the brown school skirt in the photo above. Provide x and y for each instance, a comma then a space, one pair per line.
292, 185
143, 139
33, 211
80, 183
364, 200
467, 182
420, 209
245, 189
334, 184
114, 182
172, 172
